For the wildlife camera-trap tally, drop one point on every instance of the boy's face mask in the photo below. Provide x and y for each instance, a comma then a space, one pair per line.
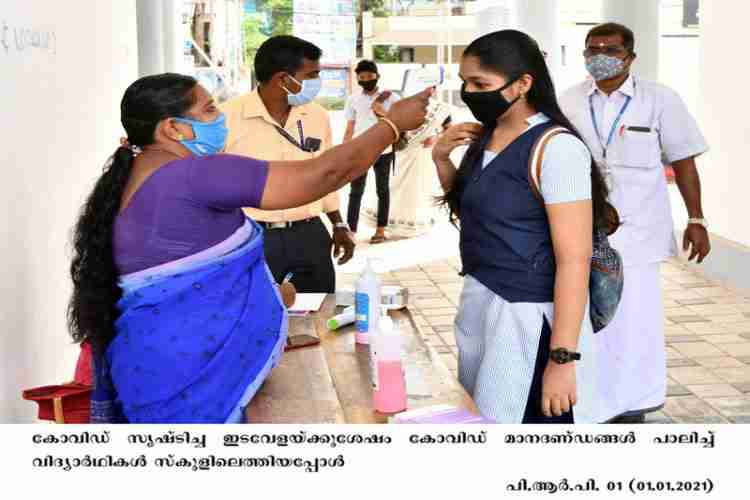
368, 85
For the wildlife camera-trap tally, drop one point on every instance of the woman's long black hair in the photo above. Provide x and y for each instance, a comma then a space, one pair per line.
93, 307
511, 53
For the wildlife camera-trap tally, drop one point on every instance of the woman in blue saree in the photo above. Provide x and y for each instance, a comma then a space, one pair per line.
171, 288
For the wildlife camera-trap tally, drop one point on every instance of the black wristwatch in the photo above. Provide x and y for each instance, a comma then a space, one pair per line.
563, 356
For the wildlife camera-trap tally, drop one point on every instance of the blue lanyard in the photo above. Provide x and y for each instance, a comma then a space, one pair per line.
614, 125
291, 139
301, 132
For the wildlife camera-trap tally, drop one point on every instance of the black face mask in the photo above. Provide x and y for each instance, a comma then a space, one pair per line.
487, 107
369, 85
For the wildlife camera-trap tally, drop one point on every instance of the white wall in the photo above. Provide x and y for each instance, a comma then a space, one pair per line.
725, 174
60, 103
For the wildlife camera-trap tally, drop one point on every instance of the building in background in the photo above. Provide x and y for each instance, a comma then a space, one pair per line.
329, 24
422, 32
202, 38
214, 45
332, 26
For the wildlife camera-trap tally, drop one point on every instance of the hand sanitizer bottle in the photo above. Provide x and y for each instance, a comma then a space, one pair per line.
367, 304
389, 385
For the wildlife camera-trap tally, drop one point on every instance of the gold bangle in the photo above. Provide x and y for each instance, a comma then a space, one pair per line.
393, 127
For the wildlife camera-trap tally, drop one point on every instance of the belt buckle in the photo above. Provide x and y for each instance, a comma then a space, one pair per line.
287, 224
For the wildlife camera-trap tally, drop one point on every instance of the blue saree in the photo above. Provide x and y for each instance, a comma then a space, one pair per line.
195, 338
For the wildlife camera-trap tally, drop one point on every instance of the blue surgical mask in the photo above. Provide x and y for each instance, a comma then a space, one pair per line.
310, 90
210, 137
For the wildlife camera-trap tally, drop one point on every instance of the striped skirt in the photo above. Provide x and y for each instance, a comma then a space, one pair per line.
503, 349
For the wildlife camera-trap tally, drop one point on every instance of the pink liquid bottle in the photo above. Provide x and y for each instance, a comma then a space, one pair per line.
389, 384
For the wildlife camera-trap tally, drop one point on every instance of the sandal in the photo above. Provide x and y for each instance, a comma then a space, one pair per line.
378, 239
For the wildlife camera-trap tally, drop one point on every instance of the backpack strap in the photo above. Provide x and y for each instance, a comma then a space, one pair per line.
535, 160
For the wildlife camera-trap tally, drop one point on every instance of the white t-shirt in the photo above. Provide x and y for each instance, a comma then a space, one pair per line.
359, 110
566, 166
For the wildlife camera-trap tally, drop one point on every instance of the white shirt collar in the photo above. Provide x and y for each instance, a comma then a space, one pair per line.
536, 119
627, 88
531, 121
371, 96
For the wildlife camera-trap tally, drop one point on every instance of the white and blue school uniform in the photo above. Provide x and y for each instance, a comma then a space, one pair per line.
631, 133
506, 312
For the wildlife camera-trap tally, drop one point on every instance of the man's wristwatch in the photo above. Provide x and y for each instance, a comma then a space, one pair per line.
563, 356
341, 225
700, 222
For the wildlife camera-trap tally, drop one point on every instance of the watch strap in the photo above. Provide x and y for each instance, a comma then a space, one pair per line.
698, 221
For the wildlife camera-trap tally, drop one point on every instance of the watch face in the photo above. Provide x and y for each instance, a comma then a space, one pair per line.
562, 356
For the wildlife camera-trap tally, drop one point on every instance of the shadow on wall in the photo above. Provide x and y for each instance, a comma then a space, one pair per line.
728, 262
17, 347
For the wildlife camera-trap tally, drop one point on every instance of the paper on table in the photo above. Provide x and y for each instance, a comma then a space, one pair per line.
307, 302
440, 414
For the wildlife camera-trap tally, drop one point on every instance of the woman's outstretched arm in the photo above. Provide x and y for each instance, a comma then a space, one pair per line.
292, 184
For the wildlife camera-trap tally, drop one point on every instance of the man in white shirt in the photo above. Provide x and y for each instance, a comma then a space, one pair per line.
362, 112
632, 126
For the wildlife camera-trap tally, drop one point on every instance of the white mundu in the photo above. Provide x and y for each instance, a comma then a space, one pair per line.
649, 126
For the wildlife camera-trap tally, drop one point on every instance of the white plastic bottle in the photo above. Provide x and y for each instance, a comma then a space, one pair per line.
346, 317
388, 381
367, 304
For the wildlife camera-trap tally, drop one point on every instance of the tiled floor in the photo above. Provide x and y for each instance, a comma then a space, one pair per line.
707, 334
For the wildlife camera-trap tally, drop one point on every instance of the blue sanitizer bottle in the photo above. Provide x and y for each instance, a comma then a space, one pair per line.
367, 304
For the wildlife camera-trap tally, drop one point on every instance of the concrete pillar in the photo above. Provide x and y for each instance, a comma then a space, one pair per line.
368, 25
173, 36
540, 20
722, 111
641, 16
449, 75
494, 18
149, 14
440, 62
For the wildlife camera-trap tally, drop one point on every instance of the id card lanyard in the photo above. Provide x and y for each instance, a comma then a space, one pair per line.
611, 135
286, 135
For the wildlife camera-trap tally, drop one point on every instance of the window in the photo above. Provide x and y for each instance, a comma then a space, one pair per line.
406, 54
690, 13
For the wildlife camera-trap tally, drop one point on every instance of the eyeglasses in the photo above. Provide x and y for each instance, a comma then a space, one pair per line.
612, 50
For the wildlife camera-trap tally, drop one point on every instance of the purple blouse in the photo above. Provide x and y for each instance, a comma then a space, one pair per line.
184, 207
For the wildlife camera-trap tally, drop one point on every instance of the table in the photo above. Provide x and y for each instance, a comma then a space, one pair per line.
330, 382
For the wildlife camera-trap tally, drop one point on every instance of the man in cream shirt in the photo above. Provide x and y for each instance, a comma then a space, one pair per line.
278, 121
632, 126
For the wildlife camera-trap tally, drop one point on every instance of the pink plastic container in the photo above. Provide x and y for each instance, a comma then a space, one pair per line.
389, 384
391, 398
